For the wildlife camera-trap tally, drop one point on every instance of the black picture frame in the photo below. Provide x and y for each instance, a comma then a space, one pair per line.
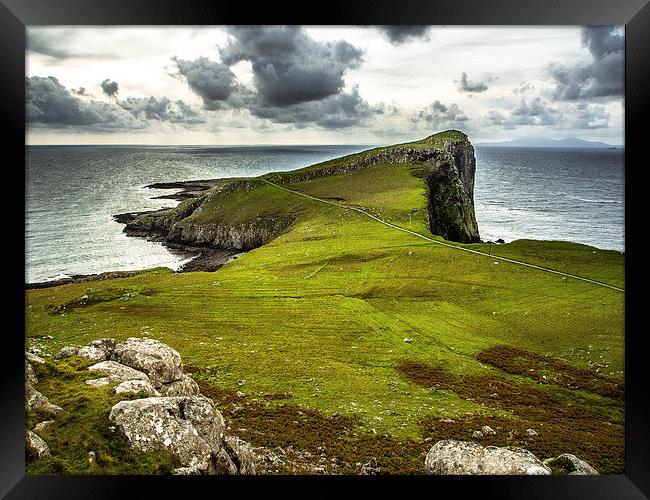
16, 14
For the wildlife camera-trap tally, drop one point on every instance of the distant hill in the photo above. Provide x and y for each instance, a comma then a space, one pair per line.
543, 142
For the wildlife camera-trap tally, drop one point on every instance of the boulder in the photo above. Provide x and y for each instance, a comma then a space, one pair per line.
488, 431
92, 353
30, 375
159, 361
37, 402
107, 345
461, 457
185, 386
241, 454
190, 427
116, 372
35, 447
34, 359
223, 465
43, 425
141, 387
531, 433
66, 352
571, 465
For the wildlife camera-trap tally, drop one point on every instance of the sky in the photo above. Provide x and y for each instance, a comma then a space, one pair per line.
322, 84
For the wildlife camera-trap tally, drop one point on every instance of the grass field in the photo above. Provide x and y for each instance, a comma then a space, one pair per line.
319, 317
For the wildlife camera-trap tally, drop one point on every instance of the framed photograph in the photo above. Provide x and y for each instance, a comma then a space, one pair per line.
371, 244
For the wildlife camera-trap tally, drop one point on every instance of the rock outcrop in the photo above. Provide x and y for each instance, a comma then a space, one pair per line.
171, 413
450, 457
35, 447
34, 400
190, 427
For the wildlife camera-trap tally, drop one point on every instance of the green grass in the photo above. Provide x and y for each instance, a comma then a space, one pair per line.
322, 312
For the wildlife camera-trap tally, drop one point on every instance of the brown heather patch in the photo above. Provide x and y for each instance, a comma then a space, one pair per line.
337, 443
565, 422
219, 395
547, 370
273, 396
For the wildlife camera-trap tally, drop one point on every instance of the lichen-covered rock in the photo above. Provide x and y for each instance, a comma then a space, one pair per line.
160, 362
185, 386
30, 375
141, 387
92, 353
37, 402
43, 425
34, 359
488, 431
459, 457
35, 447
223, 464
106, 344
241, 454
117, 372
571, 465
190, 427
66, 352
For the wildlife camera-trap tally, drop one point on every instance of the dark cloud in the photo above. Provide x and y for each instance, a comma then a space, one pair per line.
50, 104
465, 85
297, 80
602, 77
160, 109
438, 115
290, 67
399, 34
338, 111
538, 112
110, 88
53, 43
212, 81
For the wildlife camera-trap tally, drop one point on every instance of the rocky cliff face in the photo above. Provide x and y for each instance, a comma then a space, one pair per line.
448, 171
450, 194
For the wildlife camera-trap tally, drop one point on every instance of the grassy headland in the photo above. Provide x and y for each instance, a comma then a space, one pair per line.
315, 323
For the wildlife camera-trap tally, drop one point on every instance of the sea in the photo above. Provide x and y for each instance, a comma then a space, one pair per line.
72, 193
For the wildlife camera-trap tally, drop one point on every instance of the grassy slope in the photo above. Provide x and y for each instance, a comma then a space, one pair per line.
322, 312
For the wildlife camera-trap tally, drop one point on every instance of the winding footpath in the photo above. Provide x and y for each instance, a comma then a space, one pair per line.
432, 240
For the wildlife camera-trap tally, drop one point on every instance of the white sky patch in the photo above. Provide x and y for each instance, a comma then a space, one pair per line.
409, 76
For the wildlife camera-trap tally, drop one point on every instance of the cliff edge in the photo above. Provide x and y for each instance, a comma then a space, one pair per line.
244, 213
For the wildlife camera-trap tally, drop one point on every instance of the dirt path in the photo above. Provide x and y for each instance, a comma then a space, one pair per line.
432, 240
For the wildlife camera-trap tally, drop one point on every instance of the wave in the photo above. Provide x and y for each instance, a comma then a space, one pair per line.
590, 200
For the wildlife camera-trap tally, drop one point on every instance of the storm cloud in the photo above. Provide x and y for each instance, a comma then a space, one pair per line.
48, 103
465, 85
400, 34
161, 109
602, 77
297, 80
438, 115
342, 110
210, 80
290, 67
110, 88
